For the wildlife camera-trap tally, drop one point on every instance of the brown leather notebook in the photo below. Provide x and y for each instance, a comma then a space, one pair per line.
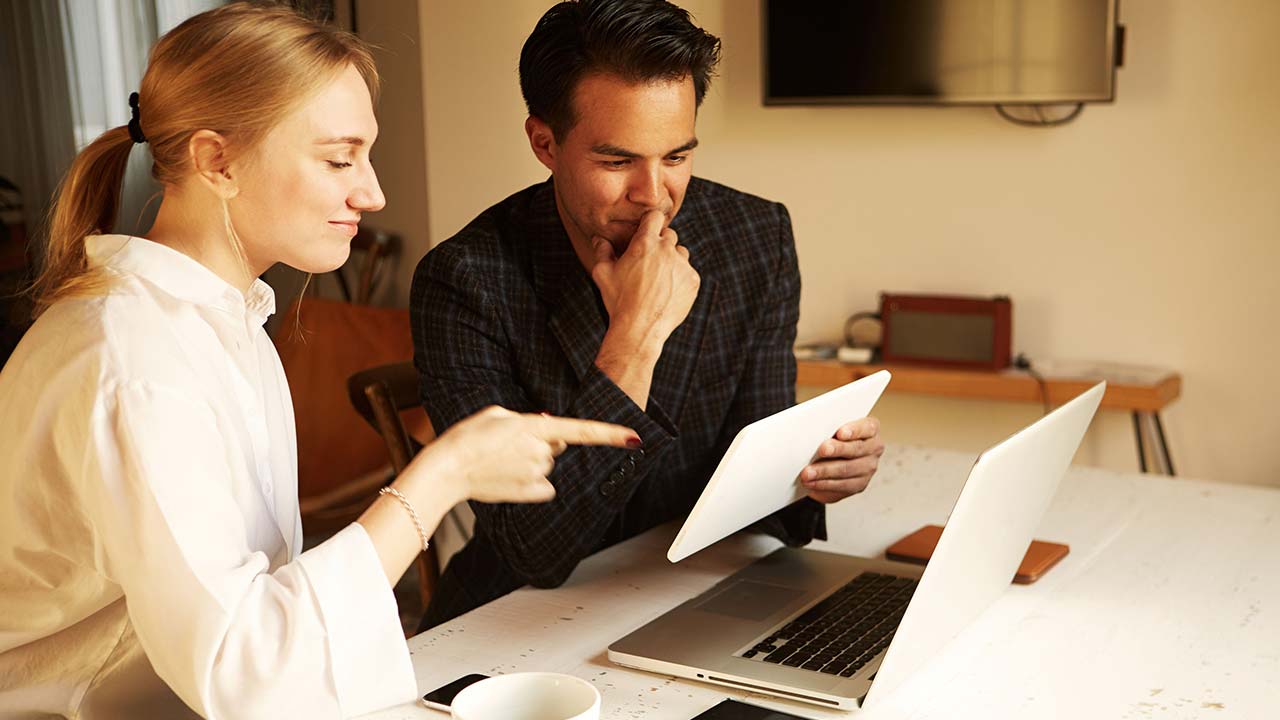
918, 546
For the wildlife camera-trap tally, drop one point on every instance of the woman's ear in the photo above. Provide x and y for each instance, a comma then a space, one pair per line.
543, 142
208, 153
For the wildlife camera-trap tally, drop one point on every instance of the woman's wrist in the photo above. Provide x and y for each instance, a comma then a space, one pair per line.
430, 487
433, 480
423, 536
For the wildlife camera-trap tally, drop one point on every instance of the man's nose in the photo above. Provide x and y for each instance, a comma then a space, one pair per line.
647, 189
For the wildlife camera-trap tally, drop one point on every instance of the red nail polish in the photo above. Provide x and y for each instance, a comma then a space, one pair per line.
634, 442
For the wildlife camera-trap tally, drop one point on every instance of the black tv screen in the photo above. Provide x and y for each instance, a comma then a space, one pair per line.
939, 51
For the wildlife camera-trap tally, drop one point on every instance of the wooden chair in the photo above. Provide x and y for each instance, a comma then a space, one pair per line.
380, 395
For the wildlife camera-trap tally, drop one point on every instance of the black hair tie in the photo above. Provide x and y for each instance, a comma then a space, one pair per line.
135, 125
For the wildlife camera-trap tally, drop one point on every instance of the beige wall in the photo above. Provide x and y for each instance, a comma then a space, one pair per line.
398, 156
400, 152
1147, 231
477, 152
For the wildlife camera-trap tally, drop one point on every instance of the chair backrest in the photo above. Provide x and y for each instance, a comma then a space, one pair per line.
380, 394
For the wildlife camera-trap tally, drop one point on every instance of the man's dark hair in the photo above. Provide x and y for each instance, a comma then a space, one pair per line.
636, 40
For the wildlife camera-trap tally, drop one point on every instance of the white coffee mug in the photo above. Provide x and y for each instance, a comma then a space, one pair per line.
528, 696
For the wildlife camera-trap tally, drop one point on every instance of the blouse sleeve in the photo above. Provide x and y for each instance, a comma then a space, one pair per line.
316, 637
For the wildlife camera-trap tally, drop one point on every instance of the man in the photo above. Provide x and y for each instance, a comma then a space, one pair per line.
622, 289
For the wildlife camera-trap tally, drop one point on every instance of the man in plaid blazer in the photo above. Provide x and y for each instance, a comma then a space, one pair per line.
621, 289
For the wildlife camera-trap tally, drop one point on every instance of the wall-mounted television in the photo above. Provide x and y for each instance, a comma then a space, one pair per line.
996, 52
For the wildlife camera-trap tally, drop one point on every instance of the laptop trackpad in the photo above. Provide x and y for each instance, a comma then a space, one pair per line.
747, 600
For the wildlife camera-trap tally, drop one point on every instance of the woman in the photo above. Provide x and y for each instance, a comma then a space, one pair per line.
149, 528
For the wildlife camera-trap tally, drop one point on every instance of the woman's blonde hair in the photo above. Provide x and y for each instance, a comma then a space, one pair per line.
237, 70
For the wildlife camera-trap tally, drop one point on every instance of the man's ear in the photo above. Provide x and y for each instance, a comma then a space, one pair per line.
208, 153
542, 141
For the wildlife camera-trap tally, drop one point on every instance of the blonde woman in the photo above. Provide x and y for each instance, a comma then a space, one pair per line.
150, 560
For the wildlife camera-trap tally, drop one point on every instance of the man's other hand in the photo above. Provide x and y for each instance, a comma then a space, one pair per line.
845, 463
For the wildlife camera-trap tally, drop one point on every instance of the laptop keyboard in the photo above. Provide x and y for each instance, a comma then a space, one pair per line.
843, 632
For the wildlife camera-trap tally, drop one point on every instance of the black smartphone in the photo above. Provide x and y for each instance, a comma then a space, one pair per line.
442, 697
734, 710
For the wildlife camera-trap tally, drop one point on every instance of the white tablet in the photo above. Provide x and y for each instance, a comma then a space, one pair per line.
760, 472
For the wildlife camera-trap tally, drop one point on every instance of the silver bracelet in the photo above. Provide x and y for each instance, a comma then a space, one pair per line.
413, 514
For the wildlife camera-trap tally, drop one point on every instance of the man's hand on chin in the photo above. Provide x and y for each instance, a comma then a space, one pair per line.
846, 462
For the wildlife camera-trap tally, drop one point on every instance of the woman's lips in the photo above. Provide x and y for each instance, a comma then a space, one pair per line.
349, 228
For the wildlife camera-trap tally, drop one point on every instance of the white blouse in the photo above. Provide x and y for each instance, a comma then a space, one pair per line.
149, 530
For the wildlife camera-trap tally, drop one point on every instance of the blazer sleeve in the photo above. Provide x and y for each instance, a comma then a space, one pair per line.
768, 383
232, 632
465, 363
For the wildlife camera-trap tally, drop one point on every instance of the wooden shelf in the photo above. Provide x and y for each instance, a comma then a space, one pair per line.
1146, 396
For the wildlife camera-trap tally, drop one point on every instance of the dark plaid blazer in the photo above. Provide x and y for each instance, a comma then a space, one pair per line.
504, 314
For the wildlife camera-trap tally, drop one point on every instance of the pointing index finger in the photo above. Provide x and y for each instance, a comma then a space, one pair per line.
585, 432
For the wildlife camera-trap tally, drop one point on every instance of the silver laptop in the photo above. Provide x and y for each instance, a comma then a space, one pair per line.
842, 631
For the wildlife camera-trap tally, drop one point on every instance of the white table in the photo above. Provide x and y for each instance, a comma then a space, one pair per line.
1167, 607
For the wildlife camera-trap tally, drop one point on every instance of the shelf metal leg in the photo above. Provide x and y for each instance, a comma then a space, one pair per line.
1164, 445
1142, 447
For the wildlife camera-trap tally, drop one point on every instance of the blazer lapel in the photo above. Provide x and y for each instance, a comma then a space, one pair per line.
577, 320
578, 324
672, 378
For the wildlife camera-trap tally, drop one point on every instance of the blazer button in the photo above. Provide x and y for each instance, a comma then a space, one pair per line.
607, 488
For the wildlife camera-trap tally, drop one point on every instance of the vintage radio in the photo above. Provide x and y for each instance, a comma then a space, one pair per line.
951, 331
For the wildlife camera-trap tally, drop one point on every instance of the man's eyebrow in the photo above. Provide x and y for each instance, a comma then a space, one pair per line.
693, 143
349, 140
615, 151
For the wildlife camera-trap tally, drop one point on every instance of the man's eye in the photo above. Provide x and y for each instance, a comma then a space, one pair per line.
677, 159
616, 163
337, 165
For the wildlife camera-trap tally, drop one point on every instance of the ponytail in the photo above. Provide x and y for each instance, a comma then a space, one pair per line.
238, 69
86, 203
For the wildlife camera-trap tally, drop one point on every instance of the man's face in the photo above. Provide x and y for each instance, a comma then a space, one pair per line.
630, 152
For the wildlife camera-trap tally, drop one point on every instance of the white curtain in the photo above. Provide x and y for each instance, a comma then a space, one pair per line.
37, 140
74, 63
107, 45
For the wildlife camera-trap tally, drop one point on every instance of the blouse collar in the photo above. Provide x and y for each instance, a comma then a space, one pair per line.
180, 275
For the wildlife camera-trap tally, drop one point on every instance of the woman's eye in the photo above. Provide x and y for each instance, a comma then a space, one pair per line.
338, 165
676, 159
617, 164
